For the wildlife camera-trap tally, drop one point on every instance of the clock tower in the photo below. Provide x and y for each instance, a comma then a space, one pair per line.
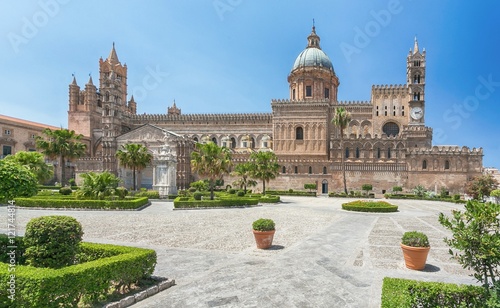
415, 79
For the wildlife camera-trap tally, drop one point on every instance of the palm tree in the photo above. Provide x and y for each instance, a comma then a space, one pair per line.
134, 156
35, 162
211, 161
243, 171
265, 167
341, 119
63, 144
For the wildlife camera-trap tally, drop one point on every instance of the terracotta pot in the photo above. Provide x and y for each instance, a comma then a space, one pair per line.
264, 239
415, 257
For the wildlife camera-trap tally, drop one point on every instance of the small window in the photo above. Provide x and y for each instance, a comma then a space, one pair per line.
293, 94
308, 91
6, 150
378, 153
252, 142
7, 132
403, 113
446, 164
283, 169
299, 133
245, 144
346, 152
424, 164
394, 113
296, 169
265, 144
195, 139
214, 140
377, 113
233, 142
33, 136
31, 150
327, 93
324, 170
310, 170
388, 152
385, 113
357, 152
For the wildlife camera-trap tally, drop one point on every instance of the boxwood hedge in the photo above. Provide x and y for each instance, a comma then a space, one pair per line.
223, 202
291, 193
127, 204
370, 206
65, 287
401, 293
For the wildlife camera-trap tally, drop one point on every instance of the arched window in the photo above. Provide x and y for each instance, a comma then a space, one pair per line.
106, 97
378, 153
283, 169
327, 93
233, 142
310, 170
424, 164
293, 94
252, 142
388, 152
346, 152
214, 140
296, 169
357, 152
195, 139
446, 164
299, 133
390, 129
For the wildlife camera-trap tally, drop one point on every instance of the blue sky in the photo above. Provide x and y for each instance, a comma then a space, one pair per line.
233, 56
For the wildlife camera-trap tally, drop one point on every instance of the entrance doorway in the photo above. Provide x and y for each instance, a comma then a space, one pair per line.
324, 187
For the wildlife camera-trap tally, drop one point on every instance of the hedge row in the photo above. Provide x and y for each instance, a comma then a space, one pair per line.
214, 203
401, 293
370, 206
65, 287
344, 195
415, 197
291, 193
269, 199
40, 187
86, 204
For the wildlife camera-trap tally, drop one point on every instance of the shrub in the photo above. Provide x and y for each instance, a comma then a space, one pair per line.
98, 185
397, 189
370, 206
293, 193
72, 182
263, 224
405, 293
311, 186
419, 191
456, 197
88, 204
192, 189
367, 187
290, 190
121, 192
197, 195
227, 202
65, 190
199, 185
16, 181
240, 193
351, 193
5, 244
415, 239
52, 241
45, 287
232, 191
269, 199
151, 194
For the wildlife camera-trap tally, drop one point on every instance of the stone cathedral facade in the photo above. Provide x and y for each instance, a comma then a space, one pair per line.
386, 143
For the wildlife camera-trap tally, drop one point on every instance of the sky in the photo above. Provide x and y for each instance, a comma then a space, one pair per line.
234, 56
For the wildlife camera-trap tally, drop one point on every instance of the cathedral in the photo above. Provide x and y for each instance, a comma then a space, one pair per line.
386, 143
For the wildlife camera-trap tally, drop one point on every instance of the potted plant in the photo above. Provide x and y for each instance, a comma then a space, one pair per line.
415, 246
263, 231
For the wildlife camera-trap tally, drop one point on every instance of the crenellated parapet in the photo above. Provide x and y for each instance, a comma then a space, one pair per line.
238, 117
446, 150
354, 103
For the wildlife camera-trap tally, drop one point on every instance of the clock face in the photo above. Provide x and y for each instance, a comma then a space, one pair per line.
417, 113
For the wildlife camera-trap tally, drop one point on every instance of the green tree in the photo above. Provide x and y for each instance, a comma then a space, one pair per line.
476, 238
98, 185
35, 162
341, 119
211, 161
310, 186
481, 186
496, 194
397, 189
199, 185
63, 144
367, 187
134, 156
265, 167
16, 181
244, 172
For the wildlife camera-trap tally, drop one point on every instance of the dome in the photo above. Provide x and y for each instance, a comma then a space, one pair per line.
312, 57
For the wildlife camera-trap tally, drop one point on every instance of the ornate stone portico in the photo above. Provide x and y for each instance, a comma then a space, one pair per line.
164, 174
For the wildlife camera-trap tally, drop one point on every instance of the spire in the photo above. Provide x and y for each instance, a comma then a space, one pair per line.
132, 98
90, 81
415, 46
74, 80
174, 106
113, 58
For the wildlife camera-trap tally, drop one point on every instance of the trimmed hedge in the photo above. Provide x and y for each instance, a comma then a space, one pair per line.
401, 293
370, 206
269, 199
225, 202
291, 192
18, 242
415, 197
40, 187
65, 287
87, 204
151, 194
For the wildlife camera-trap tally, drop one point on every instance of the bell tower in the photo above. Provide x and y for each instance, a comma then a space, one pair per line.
415, 79
113, 89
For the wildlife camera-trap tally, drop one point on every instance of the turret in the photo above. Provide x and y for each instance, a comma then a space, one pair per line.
74, 95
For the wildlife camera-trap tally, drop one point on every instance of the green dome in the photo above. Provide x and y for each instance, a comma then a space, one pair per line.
311, 57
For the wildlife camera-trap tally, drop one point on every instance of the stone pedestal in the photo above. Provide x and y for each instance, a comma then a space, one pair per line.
165, 171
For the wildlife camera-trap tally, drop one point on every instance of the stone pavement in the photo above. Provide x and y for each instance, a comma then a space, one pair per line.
322, 256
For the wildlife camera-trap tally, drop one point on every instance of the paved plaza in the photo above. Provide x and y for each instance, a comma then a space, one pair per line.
321, 256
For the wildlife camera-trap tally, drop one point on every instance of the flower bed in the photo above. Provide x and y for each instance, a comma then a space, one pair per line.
370, 206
